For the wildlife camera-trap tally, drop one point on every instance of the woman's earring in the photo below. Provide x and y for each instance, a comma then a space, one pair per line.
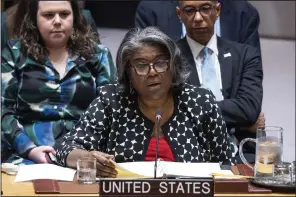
131, 88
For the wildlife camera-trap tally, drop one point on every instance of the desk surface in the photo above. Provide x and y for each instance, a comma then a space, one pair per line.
10, 188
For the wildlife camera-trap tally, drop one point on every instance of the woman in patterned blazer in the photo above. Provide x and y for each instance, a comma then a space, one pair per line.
49, 77
120, 123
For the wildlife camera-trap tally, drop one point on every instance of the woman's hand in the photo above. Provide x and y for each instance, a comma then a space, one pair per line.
40, 154
105, 168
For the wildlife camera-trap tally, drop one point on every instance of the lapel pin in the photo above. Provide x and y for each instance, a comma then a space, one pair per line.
227, 55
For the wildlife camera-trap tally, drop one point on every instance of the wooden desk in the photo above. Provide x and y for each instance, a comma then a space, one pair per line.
10, 188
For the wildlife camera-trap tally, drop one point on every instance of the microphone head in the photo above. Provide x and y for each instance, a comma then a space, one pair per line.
158, 114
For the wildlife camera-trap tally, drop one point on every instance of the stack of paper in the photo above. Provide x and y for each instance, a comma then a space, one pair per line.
44, 171
178, 169
125, 170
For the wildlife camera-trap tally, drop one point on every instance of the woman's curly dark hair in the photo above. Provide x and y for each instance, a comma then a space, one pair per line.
14, 17
83, 43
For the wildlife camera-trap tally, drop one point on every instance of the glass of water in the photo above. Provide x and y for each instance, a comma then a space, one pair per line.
86, 170
269, 152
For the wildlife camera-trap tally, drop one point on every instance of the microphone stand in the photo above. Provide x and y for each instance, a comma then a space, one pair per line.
158, 117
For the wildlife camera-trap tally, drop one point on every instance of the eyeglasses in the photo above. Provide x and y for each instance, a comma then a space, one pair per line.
204, 10
159, 66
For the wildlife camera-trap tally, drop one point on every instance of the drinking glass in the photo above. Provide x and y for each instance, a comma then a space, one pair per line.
86, 170
269, 151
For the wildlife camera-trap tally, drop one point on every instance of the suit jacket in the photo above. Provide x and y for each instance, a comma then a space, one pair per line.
242, 77
239, 20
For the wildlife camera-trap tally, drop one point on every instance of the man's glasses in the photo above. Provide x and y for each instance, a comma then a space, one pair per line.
204, 10
159, 66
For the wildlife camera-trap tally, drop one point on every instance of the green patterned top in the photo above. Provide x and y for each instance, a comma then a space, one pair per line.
39, 106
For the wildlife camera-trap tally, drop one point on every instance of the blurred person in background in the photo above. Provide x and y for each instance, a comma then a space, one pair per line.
49, 77
231, 70
238, 20
12, 18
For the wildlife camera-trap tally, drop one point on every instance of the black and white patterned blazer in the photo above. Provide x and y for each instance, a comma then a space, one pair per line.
114, 124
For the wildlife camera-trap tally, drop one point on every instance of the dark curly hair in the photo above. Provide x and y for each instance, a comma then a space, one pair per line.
83, 43
14, 17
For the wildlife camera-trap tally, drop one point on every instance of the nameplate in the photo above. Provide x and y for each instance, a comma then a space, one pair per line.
156, 187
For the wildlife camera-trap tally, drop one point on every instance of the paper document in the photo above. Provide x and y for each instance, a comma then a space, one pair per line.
226, 174
44, 171
146, 169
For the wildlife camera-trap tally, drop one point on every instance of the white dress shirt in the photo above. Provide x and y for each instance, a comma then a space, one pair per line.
198, 57
196, 48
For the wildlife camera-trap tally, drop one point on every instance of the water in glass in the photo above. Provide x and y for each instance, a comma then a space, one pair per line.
86, 171
268, 155
86, 175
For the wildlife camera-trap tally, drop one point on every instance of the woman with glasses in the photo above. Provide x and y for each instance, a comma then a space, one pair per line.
121, 122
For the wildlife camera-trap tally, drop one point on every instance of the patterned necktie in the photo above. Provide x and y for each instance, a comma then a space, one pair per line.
209, 76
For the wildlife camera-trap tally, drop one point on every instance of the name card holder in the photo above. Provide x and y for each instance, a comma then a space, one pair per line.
237, 186
227, 186
156, 187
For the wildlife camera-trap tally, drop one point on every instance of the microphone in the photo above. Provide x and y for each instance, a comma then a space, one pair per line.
158, 115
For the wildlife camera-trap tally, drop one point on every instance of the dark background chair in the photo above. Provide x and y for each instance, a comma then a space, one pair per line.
113, 14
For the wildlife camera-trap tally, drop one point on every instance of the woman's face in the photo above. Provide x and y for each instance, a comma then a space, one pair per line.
154, 84
55, 22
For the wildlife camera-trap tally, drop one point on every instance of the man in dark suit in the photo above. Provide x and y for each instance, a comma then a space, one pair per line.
239, 20
233, 71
